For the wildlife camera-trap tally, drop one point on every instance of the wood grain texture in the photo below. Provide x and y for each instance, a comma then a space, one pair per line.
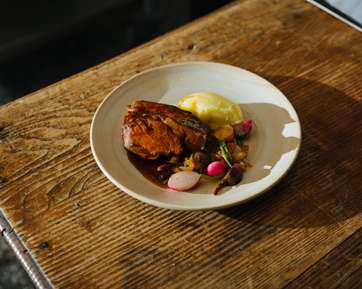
342, 268
85, 233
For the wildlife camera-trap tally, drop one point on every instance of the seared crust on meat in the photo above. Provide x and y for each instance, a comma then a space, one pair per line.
152, 130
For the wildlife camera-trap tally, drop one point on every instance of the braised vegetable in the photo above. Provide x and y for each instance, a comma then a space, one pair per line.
225, 153
200, 160
243, 128
183, 181
233, 177
225, 132
237, 153
216, 168
202, 137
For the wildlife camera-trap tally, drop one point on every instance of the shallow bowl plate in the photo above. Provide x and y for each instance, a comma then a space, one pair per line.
274, 142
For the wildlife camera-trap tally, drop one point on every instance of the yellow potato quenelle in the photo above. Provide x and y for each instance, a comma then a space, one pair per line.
212, 109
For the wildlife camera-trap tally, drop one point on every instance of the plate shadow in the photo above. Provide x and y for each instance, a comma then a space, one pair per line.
324, 186
267, 143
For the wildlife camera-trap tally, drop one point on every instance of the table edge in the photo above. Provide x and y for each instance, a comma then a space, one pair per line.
23, 254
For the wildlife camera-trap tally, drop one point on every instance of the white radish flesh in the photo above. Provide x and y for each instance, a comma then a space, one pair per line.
183, 181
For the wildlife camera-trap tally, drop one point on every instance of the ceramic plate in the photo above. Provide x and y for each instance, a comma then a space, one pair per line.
274, 142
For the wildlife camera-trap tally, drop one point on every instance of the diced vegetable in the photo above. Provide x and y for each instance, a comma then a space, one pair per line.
183, 181
243, 128
225, 153
216, 168
236, 152
238, 156
225, 132
232, 147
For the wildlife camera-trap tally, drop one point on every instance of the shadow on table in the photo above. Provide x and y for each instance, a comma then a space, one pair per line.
324, 186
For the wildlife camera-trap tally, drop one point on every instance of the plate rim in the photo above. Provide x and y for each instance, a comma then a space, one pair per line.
166, 205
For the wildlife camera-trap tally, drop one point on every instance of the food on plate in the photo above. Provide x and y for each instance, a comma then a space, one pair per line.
183, 181
216, 168
225, 132
152, 130
243, 128
233, 177
179, 146
211, 108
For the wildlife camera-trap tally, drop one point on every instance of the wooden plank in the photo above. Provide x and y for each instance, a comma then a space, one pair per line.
85, 233
341, 268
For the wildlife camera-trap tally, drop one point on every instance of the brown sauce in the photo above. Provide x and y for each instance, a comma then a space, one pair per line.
147, 168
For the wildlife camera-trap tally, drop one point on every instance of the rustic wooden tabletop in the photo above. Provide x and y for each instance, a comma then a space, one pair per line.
304, 233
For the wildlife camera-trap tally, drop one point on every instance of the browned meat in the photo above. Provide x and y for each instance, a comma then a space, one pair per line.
152, 130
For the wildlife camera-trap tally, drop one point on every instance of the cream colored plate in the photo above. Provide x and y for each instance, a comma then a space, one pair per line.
274, 143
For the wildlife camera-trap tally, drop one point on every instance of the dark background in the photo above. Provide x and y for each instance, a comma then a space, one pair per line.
43, 41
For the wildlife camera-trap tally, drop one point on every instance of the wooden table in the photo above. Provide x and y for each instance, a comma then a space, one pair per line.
304, 233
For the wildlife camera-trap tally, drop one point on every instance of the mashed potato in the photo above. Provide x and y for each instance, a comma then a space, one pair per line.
212, 109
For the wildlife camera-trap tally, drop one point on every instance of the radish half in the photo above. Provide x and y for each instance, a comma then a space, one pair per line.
183, 181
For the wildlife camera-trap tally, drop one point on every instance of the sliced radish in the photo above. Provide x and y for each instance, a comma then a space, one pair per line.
216, 168
183, 181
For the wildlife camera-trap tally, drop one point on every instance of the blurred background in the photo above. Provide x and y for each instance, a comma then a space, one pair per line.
44, 41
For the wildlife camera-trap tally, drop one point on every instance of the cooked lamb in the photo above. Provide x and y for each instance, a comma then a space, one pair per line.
152, 130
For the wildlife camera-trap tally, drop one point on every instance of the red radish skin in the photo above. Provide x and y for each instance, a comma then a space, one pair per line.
216, 168
183, 181
247, 126
243, 128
